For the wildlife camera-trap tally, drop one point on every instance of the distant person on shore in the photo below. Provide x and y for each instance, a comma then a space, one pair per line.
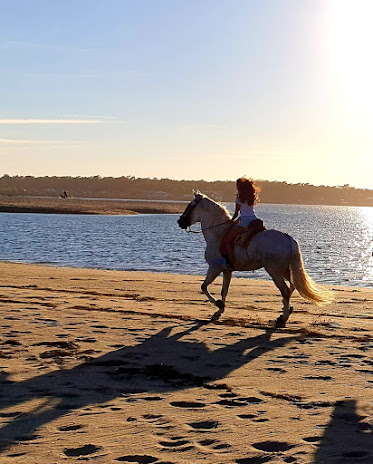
247, 197
64, 194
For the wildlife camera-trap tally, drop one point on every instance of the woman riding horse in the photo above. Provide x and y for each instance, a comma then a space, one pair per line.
247, 197
275, 251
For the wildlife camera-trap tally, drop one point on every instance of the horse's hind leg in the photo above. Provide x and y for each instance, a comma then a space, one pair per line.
286, 294
287, 277
227, 276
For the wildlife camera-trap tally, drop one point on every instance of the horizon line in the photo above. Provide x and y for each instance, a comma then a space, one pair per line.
188, 180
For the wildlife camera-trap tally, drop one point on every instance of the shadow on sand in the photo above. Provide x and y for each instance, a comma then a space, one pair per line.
347, 438
161, 363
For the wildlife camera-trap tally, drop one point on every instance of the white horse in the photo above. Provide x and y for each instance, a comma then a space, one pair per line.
276, 252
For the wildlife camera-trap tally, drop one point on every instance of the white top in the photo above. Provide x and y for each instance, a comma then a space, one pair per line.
247, 214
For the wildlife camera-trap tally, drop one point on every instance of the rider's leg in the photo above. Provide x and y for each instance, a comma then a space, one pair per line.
229, 242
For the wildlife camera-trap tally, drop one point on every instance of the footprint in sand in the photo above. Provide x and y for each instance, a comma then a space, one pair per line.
174, 443
140, 459
12, 343
312, 439
187, 404
247, 416
222, 446
68, 428
228, 395
207, 442
153, 417
273, 446
319, 377
254, 460
84, 450
238, 402
204, 425
87, 339
177, 444
277, 369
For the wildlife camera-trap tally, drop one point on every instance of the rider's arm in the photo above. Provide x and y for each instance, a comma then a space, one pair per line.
235, 215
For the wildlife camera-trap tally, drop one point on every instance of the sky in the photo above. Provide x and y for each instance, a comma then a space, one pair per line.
277, 90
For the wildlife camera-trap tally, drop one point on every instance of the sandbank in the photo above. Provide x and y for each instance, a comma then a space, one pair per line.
57, 205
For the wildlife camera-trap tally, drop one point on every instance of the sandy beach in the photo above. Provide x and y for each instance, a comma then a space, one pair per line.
108, 366
14, 204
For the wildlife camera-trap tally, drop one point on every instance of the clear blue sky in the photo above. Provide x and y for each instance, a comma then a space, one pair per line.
188, 89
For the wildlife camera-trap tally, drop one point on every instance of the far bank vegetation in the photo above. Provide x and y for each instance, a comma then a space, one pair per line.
130, 187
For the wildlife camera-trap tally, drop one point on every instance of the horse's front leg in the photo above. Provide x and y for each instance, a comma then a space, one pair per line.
227, 276
212, 273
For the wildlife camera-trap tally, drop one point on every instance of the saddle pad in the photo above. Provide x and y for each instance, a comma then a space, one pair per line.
244, 239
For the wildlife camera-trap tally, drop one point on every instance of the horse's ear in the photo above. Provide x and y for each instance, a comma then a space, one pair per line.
196, 192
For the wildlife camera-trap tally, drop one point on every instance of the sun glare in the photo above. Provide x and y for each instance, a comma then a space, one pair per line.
368, 218
351, 38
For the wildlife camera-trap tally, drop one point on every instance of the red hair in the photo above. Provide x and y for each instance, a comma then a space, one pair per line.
247, 191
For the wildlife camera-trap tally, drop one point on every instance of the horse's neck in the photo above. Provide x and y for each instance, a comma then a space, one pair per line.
214, 225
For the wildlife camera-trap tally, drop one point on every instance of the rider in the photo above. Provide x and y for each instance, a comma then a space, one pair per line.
247, 198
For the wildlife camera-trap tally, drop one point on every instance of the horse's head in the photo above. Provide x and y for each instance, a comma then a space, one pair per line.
189, 216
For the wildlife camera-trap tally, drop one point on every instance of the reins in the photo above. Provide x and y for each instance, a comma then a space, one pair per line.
190, 231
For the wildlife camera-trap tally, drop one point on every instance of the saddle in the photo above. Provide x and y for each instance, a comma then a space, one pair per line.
254, 228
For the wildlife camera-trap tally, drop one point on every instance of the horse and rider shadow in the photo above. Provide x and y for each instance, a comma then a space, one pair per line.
161, 363
348, 437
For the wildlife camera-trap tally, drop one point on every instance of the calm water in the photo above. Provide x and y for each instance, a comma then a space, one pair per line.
336, 242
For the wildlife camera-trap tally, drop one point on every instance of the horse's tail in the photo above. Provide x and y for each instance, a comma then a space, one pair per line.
306, 287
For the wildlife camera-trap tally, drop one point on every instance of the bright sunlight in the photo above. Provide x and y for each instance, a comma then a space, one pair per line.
351, 38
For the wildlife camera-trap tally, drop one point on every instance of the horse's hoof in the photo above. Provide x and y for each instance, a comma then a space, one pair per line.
220, 304
216, 315
280, 323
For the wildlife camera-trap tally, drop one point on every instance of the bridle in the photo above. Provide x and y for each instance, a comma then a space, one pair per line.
187, 212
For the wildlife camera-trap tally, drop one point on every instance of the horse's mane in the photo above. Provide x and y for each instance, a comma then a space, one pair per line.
217, 205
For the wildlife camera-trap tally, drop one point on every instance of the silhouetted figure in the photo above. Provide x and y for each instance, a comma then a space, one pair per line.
347, 438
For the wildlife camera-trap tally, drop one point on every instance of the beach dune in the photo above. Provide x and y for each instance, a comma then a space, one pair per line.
110, 366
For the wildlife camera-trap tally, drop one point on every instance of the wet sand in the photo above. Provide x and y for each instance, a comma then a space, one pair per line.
82, 206
108, 366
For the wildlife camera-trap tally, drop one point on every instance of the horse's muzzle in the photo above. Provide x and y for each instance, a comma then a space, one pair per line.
183, 222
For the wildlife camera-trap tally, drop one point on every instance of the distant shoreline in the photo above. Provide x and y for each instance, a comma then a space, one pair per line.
104, 206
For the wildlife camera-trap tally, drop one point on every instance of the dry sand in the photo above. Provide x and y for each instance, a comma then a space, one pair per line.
109, 367
85, 206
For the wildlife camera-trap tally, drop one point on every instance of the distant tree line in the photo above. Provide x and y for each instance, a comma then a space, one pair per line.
167, 189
